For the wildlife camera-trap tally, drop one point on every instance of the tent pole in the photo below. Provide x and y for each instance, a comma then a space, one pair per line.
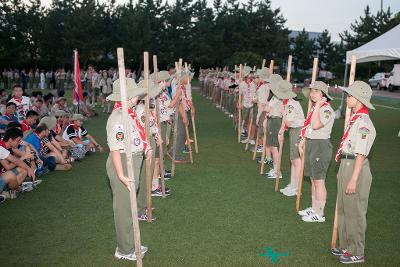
344, 85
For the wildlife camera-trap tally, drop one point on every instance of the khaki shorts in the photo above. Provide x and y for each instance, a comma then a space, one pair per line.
317, 158
273, 127
260, 126
294, 140
246, 115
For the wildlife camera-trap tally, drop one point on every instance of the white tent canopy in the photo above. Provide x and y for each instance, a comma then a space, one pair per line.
384, 47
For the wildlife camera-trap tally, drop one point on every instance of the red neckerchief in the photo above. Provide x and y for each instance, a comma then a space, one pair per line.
25, 126
139, 126
19, 100
186, 97
58, 129
354, 117
285, 101
154, 122
259, 85
10, 117
76, 129
3, 144
40, 141
308, 120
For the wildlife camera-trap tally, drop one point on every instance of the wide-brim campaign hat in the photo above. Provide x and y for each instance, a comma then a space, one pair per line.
246, 71
263, 73
60, 113
132, 90
283, 89
77, 117
361, 91
318, 85
61, 98
154, 89
161, 76
274, 78
50, 122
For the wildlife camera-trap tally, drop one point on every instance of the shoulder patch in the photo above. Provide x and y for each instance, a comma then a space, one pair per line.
290, 108
364, 131
327, 113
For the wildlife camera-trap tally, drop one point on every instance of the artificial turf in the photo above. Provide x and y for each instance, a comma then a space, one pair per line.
221, 211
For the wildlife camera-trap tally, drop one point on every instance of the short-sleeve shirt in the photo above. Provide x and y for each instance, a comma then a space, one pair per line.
276, 107
23, 105
248, 92
4, 153
164, 102
294, 114
327, 118
262, 94
35, 142
116, 133
361, 137
74, 132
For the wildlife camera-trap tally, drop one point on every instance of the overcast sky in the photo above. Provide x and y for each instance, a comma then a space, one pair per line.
317, 15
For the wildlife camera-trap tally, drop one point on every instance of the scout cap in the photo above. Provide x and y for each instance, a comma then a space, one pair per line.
132, 90
77, 117
263, 73
274, 78
361, 91
50, 122
283, 90
60, 113
154, 89
246, 71
61, 98
318, 85
161, 76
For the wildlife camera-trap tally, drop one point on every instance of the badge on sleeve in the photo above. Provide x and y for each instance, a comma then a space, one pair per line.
327, 113
290, 108
136, 141
120, 136
364, 131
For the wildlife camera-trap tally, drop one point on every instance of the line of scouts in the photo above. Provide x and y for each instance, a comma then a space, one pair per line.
270, 100
168, 95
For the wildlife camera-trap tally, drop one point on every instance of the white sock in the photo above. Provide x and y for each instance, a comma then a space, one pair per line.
313, 204
320, 205
154, 184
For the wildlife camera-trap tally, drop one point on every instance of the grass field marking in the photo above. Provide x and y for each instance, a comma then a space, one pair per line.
384, 106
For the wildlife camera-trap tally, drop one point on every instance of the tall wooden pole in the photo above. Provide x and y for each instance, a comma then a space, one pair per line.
147, 127
161, 153
240, 103
300, 182
348, 112
186, 125
128, 151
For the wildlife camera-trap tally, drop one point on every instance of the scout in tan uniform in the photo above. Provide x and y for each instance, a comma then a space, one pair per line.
354, 176
117, 169
274, 123
316, 134
261, 97
293, 119
248, 89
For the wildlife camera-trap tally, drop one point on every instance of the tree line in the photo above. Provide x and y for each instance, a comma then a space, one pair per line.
225, 33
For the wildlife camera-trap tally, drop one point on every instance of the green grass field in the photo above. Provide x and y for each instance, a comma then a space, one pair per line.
221, 211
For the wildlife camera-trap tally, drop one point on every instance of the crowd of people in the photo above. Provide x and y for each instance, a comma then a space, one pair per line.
39, 135
264, 106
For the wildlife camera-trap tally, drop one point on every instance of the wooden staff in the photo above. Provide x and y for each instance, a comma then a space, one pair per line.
263, 63
149, 177
271, 71
281, 142
300, 182
255, 148
128, 152
160, 149
240, 103
348, 112
186, 125
196, 147
177, 67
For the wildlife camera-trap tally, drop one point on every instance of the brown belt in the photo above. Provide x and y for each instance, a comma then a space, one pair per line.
347, 156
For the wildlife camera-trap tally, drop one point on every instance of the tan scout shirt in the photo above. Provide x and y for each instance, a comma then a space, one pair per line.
294, 114
262, 94
361, 137
141, 114
248, 92
327, 118
116, 133
275, 107
164, 102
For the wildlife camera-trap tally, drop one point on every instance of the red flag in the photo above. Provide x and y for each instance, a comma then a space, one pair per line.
78, 96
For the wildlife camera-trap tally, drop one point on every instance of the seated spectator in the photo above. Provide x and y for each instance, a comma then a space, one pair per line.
82, 139
38, 107
51, 146
84, 108
29, 123
8, 115
61, 104
35, 140
13, 170
48, 103
23, 102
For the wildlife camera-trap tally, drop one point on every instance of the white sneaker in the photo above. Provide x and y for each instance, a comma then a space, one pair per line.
252, 142
285, 189
272, 175
306, 212
244, 141
290, 192
313, 218
130, 257
230, 115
